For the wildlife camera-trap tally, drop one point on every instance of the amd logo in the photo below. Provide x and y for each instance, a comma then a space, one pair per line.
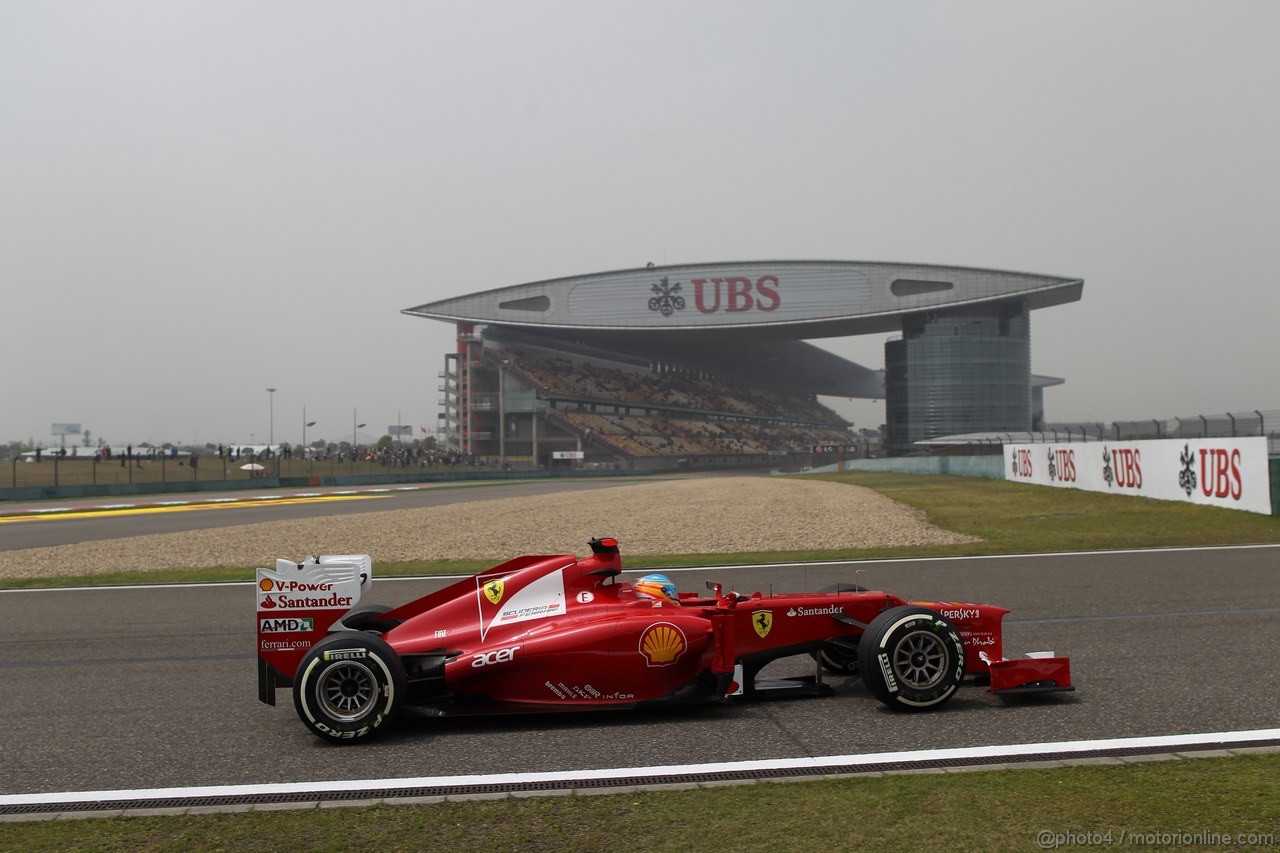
287, 625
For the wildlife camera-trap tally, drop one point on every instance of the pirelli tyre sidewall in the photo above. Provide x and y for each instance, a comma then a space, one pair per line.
349, 687
912, 658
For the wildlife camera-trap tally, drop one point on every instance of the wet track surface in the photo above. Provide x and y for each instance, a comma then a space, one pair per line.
156, 687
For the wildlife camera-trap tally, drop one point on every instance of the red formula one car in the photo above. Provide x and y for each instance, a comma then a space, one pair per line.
553, 633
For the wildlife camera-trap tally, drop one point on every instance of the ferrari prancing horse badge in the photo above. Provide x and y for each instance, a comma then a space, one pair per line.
762, 621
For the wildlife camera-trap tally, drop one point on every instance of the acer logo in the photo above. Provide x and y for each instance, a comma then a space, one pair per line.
491, 658
735, 294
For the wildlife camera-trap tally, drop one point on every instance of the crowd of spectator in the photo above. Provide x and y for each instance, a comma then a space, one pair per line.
657, 436
557, 376
702, 416
388, 455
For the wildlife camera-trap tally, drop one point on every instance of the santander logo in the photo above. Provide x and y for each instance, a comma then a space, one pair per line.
735, 294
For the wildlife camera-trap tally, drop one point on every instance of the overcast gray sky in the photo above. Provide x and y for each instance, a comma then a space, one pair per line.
201, 200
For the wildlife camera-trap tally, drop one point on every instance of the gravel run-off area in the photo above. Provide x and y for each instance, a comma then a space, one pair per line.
691, 516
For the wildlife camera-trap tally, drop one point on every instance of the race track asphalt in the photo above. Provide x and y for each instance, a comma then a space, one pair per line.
155, 687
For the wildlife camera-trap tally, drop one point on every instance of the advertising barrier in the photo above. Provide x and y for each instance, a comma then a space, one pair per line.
1226, 472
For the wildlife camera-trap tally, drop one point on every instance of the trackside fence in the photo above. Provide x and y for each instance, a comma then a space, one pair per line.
1264, 422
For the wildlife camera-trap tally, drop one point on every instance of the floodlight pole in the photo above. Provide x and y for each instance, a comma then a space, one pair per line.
354, 427
305, 424
271, 436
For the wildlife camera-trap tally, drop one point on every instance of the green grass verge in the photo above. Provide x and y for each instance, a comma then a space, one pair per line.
953, 811
1010, 518
1016, 517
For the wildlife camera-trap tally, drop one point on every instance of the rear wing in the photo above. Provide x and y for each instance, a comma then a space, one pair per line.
297, 603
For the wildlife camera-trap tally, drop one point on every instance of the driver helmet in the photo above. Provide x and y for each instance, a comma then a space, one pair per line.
658, 587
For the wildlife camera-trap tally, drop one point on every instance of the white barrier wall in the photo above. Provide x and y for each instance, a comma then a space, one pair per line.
1226, 472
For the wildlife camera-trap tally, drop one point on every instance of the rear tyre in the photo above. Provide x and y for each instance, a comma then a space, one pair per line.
349, 687
912, 659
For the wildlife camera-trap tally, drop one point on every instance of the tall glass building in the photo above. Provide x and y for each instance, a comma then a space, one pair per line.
958, 371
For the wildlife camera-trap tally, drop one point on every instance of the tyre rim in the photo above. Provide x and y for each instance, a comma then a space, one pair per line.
920, 660
348, 691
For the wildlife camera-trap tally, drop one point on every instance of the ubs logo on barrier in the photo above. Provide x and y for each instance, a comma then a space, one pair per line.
1022, 466
1220, 473
1062, 465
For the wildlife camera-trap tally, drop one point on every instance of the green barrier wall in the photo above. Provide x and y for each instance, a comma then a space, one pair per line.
991, 467
1275, 485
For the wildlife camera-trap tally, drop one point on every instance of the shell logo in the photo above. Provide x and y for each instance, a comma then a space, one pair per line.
662, 643
265, 584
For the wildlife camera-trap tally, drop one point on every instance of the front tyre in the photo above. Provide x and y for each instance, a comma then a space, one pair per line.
911, 658
349, 687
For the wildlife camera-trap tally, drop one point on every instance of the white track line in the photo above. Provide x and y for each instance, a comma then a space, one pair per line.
673, 569
1171, 742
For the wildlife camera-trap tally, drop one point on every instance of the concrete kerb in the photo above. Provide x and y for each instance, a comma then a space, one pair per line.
1084, 761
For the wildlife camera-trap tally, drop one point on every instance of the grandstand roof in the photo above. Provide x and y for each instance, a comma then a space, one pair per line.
746, 300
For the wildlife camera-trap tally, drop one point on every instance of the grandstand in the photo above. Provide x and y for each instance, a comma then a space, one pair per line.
711, 364
537, 403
